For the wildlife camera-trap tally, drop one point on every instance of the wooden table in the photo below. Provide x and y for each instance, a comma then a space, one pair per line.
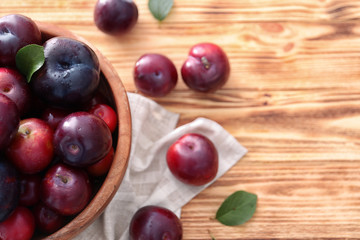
293, 100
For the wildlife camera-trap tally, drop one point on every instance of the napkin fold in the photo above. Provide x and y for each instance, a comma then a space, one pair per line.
147, 180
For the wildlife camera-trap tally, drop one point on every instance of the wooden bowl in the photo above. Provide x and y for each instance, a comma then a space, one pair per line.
114, 88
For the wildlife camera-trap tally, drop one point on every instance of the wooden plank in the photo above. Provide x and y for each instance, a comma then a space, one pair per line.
202, 11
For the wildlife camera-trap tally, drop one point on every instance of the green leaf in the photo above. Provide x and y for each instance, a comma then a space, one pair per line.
237, 209
160, 8
29, 59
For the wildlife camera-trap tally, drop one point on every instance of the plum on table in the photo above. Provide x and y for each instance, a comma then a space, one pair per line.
206, 69
115, 17
155, 75
154, 222
193, 159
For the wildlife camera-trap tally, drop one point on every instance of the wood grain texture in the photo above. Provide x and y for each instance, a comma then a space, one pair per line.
293, 100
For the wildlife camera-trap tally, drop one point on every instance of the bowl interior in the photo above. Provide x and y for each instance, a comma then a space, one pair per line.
112, 87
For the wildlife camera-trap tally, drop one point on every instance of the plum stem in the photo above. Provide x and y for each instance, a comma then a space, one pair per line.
74, 149
24, 132
205, 62
62, 178
6, 89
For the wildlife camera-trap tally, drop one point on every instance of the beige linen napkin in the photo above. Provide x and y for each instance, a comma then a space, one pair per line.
147, 179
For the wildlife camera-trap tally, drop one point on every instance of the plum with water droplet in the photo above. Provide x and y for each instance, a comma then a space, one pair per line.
70, 75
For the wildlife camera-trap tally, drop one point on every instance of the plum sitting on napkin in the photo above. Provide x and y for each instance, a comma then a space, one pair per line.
148, 181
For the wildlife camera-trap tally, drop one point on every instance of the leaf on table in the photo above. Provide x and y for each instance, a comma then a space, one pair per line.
160, 8
29, 59
237, 209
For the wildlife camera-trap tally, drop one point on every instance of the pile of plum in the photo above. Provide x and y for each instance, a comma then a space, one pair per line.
56, 132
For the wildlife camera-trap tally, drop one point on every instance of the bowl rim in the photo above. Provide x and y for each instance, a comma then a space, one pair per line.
118, 168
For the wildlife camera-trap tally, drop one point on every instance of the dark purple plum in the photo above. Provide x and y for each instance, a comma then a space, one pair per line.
206, 69
70, 74
46, 219
53, 116
82, 139
115, 17
155, 75
153, 223
9, 189
65, 189
14, 86
16, 31
9, 121
29, 189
